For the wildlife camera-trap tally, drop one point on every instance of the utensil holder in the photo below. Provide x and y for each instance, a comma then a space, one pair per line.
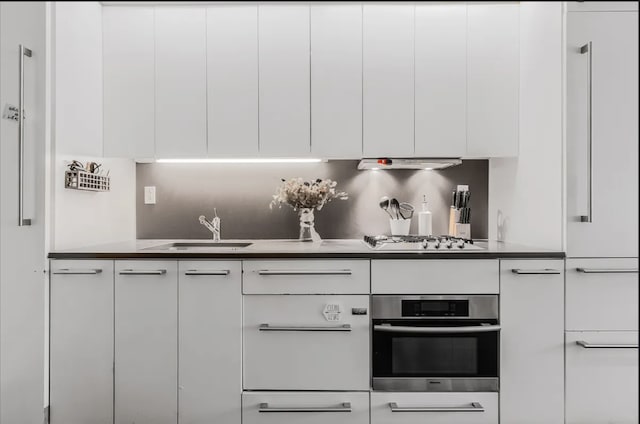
399, 227
81, 180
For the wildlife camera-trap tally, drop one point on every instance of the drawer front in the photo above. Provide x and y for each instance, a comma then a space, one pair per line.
306, 277
602, 294
305, 408
451, 276
434, 408
290, 345
602, 377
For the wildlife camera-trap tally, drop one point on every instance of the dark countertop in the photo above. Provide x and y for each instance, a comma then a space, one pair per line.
281, 249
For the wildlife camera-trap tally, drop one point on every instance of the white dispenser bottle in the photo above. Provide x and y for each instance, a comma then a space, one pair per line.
424, 219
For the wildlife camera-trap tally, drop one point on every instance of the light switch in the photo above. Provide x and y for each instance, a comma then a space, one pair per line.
150, 195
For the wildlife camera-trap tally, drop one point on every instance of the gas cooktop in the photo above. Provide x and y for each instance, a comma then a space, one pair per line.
420, 243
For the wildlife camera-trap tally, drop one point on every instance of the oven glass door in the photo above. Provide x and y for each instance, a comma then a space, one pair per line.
435, 348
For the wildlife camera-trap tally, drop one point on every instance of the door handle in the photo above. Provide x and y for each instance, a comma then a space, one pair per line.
305, 272
427, 330
22, 221
344, 407
267, 327
473, 407
536, 271
207, 272
588, 49
67, 271
608, 270
587, 345
143, 272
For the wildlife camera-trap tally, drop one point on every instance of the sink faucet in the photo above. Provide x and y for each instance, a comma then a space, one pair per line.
213, 226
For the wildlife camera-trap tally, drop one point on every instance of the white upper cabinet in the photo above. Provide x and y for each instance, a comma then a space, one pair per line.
129, 91
493, 81
232, 80
283, 38
181, 82
336, 81
441, 80
388, 83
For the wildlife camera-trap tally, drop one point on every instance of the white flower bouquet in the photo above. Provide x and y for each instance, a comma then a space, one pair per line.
301, 194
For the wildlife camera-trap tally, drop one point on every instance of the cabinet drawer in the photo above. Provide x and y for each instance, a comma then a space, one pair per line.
602, 377
602, 294
451, 276
290, 345
305, 408
434, 408
306, 277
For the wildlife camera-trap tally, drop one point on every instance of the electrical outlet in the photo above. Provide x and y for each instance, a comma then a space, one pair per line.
150, 195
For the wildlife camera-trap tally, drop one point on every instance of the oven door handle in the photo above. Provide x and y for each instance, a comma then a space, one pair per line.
427, 330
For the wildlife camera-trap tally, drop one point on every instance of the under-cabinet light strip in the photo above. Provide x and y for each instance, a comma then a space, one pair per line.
241, 160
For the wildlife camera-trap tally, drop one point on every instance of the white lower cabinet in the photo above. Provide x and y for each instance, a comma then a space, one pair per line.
290, 343
305, 407
81, 342
146, 342
602, 377
434, 408
209, 340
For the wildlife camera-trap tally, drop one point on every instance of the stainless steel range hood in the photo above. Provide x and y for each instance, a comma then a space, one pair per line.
409, 163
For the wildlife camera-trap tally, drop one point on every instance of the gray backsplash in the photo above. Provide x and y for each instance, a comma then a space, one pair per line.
242, 193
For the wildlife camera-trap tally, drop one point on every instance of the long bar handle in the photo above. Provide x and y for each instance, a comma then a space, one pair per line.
473, 407
608, 270
68, 271
267, 327
536, 271
587, 345
143, 272
22, 221
207, 272
305, 272
427, 330
344, 407
588, 49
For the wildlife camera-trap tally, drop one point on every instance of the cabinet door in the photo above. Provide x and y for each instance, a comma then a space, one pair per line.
336, 81
146, 342
532, 343
283, 38
608, 125
81, 342
305, 407
210, 334
602, 377
129, 96
232, 80
388, 84
493, 81
441, 80
181, 82
289, 343
434, 408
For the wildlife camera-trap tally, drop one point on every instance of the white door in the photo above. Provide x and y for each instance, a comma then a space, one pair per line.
441, 80
129, 86
336, 80
181, 82
608, 125
283, 38
146, 342
493, 81
602, 377
81, 343
306, 342
388, 83
232, 80
22, 248
210, 336
531, 341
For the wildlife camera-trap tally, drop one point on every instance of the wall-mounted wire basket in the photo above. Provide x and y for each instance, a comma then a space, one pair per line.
82, 180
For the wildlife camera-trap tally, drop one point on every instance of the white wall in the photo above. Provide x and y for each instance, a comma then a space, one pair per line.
525, 193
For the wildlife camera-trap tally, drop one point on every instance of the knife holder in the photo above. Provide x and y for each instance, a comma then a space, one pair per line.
82, 180
462, 231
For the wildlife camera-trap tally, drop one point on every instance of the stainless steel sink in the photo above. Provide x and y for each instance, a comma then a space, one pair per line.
204, 245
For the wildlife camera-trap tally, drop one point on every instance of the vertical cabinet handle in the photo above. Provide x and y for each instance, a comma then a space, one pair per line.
22, 221
588, 50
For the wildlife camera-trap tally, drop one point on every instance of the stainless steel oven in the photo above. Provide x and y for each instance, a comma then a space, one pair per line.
435, 343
